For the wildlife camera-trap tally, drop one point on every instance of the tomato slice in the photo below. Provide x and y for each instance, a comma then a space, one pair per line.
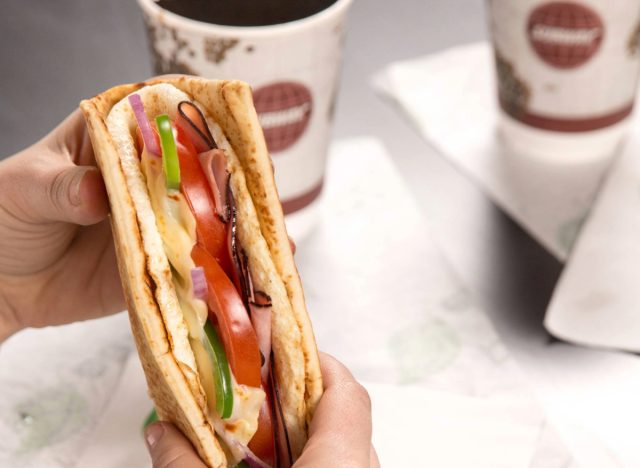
211, 231
231, 320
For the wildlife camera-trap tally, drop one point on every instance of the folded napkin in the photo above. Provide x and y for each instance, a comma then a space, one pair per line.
450, 97
597, 300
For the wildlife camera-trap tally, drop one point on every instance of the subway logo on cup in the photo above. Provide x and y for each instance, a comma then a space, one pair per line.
284, 109
565, 34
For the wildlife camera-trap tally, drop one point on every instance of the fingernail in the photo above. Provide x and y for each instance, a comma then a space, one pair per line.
74, 195
153, 433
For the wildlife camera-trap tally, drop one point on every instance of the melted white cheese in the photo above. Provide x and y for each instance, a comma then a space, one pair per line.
177, 228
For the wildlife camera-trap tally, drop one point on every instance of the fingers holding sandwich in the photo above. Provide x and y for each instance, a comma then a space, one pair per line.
331, 442
169, 448
53, 269
67, 193
73, 187
56, 179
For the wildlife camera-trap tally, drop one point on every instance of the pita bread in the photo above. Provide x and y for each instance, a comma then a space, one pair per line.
156, 320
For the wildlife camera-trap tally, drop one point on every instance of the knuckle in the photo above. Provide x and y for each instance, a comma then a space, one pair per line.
357, 393
56, 191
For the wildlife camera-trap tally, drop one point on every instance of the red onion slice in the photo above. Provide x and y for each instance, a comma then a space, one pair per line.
252, 460
199, 283
214, 165
148, 135
239, 450
255, 462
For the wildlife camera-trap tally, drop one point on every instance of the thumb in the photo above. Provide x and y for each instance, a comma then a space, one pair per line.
169, 448
73, 194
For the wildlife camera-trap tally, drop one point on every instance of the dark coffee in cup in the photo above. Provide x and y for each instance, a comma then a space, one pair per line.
245, 12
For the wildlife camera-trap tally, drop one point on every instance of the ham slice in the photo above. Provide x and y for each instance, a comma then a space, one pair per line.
260, 308
214, 165
191, 120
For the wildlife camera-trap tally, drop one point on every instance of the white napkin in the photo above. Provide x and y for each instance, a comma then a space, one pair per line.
591, 397
436, 429
380, 295
383, 300
597, 300
117, 440
413, 426
54, 386
450, 97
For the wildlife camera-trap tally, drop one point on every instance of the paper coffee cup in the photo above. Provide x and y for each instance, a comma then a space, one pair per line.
293, 69
567, 74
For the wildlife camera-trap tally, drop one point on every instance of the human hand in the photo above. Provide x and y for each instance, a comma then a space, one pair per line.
340, 432
57, 260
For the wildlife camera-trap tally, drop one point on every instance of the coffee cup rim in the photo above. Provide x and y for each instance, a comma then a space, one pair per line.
181, 22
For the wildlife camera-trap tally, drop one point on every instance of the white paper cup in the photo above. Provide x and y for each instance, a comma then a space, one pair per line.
567, 74
293, 69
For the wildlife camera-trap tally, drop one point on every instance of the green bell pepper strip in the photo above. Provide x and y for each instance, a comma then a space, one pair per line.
153, 417
242, 464
170, 163
221, 373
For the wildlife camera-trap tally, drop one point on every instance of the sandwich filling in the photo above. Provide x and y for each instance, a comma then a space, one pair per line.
228, 320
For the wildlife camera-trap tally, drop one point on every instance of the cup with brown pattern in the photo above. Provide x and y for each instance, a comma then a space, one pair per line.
289, 52
567, 74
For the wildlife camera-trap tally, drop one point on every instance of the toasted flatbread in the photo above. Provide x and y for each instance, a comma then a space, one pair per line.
159, 329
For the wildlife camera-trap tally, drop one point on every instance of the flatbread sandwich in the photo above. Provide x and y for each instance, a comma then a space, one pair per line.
215, 301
